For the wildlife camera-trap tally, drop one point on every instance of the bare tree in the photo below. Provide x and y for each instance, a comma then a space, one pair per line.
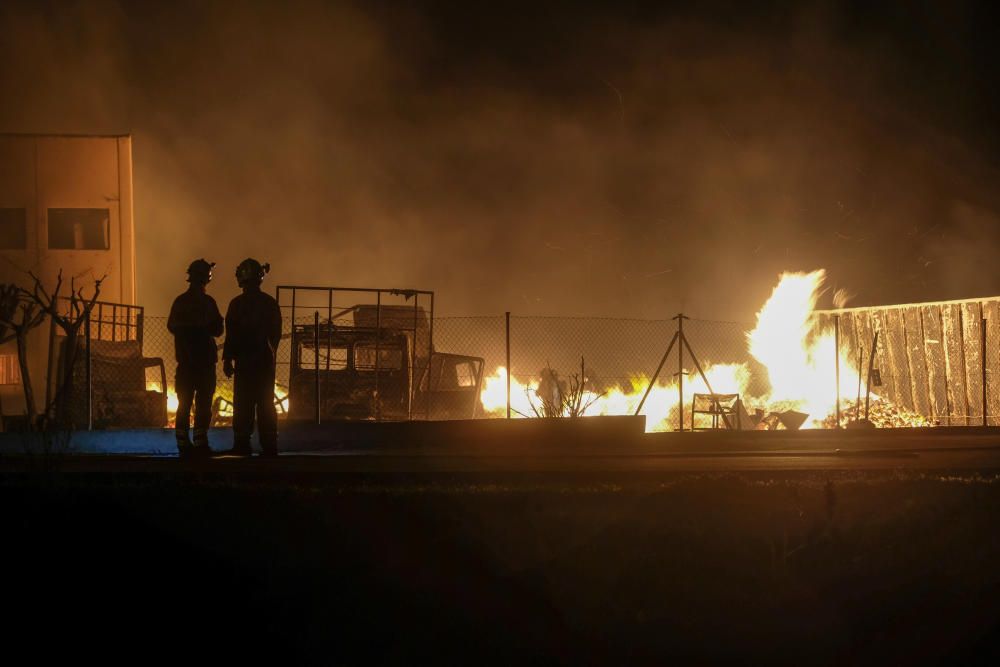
70, 319
19, 314
560, 397
9, 297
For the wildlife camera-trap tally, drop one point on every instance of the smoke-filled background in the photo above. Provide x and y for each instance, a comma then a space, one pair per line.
560, 159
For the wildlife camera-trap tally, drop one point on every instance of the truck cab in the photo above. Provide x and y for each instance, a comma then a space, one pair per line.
377, 362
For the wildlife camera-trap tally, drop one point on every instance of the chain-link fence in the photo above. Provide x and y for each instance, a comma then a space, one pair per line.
931, 365
613, 361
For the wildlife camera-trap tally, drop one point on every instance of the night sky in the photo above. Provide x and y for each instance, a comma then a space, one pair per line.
558, 158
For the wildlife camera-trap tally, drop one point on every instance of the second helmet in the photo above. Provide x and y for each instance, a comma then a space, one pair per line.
251, 272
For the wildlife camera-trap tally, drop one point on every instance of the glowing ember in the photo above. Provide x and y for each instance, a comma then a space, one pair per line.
281, 400
223, 408
171, 397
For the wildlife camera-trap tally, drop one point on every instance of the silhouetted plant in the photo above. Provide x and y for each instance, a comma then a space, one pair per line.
563, 397
19, 314
70, 320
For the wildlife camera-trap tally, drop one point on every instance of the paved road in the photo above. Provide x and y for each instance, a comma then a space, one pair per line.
985, 460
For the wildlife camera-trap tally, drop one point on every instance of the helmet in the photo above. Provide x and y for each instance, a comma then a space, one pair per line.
251, 272
200, 271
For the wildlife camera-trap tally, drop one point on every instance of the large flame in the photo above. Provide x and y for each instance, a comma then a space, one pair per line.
799, 360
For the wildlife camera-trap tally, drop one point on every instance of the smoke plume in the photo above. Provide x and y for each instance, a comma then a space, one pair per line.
557, 160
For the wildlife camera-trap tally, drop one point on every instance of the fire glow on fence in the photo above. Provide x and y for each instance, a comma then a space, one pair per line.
798, 357
224, 407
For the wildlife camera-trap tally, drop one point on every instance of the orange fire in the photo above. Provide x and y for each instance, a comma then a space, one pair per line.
225, 408
799, 359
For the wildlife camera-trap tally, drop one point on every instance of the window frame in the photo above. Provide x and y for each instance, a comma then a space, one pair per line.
24, 227
106, 232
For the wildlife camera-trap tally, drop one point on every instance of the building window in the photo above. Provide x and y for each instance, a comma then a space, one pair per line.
79, 229
333, 357
13, 229
389, 358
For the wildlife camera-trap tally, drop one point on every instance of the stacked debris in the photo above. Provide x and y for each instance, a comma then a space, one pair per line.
881, 414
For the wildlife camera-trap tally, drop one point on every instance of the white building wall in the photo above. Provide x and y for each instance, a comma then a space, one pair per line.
53, 177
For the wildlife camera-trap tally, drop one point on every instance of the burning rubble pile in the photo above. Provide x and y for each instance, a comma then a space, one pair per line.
799, 359
881, 414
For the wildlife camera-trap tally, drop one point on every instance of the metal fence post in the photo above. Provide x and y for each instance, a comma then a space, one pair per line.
871, 365
90, 375
508, 363
680, 372
836, 352
378, 338
316, 360
414, 379
982, 364
430, 357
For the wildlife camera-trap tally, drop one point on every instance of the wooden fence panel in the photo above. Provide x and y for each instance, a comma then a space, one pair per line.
849, 357
848, 339
883, 360
917, 361
895, 343
954, 356
937, 366
991, 310
972, 340
865, 333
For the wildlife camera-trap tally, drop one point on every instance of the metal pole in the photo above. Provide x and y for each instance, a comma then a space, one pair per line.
329, 330
413, 360
836, 352
680, 371
329, 327
90, 376
711, 392
861, 361
430, 333
871, 362
430, 355
656, 373
508, 364
378, 335
316, 361
982, 363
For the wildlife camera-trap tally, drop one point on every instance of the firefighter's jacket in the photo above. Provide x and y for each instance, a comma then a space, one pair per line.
253, 330
195, 322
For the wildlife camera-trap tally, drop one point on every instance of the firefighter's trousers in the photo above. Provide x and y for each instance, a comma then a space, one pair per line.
195, 385
253, 394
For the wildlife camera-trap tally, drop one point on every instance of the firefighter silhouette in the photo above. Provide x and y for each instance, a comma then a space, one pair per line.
195, 322
253, 331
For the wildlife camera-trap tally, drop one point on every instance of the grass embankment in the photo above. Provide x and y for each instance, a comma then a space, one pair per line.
895, 570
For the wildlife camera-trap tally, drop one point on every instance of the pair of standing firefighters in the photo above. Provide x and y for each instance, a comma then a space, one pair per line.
253, 331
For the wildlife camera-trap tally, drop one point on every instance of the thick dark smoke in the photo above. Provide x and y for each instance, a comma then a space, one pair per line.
566, 160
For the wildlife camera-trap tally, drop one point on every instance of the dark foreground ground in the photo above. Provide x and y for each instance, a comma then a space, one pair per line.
630, 566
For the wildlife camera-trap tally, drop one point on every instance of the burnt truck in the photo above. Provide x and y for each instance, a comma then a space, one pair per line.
110, 387
372, 361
